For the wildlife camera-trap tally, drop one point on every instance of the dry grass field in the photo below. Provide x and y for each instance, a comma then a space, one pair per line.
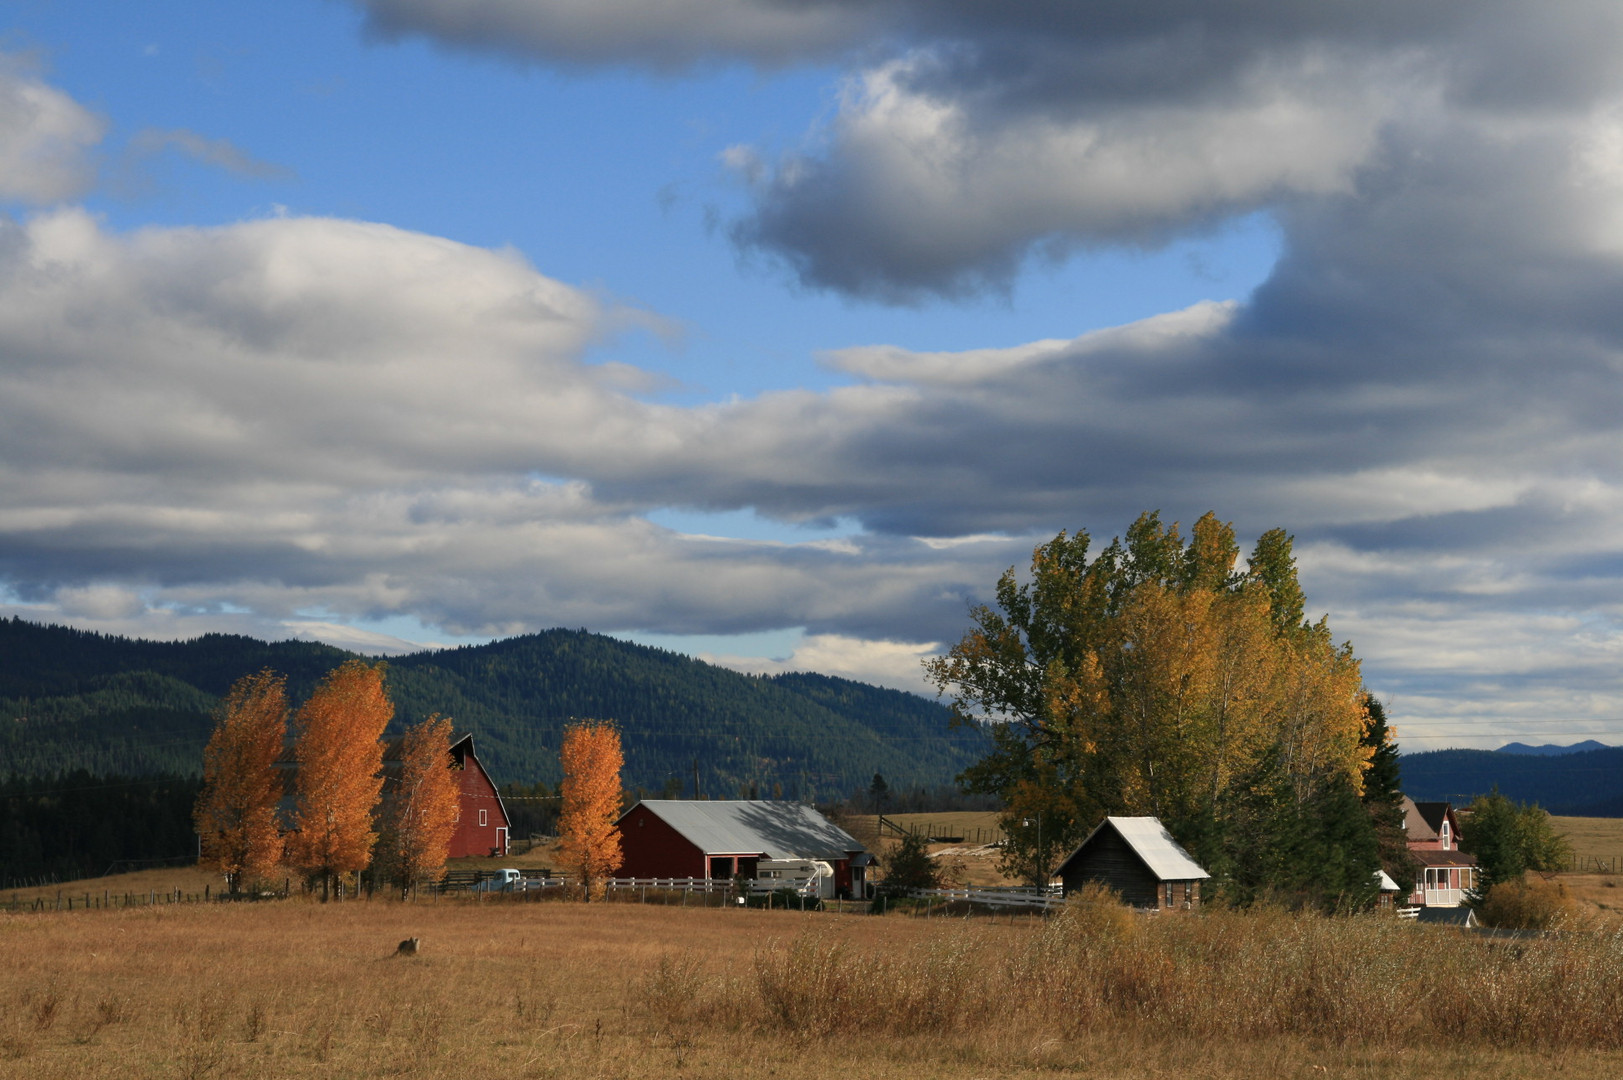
1593, 838
526, 989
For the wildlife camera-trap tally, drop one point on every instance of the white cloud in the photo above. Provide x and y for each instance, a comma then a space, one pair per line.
924, 190
46, 140
896, 664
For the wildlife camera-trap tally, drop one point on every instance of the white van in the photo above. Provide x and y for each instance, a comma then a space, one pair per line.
810, 877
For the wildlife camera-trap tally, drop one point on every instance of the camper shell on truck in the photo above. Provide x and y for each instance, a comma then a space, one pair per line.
809, 877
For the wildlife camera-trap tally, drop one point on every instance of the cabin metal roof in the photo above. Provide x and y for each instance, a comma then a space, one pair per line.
1151, 842
779, 830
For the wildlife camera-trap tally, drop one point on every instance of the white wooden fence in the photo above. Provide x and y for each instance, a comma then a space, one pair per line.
1024, 899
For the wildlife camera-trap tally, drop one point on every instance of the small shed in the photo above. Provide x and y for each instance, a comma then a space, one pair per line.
1448, 916
1386, 889
1139, 859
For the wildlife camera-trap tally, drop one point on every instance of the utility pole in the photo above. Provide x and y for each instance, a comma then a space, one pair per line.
1042, 861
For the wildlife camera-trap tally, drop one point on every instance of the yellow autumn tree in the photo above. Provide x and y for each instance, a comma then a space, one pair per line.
340, 773
422, 809
236, 812
1159, 678
589, 842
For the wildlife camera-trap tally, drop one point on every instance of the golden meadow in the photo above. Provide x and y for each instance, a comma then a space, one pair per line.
525, 989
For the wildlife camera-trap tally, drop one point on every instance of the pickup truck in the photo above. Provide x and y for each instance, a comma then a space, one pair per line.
500, 881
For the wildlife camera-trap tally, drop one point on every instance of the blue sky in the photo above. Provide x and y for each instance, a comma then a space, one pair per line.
774, 333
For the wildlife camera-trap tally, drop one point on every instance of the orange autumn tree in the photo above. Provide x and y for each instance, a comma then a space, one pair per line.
590, 844
236, 812
422, 807
340, 763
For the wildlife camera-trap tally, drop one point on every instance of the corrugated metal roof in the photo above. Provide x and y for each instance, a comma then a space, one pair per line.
782, 830
1165, 857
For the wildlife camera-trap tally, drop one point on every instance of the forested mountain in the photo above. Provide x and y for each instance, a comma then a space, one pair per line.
71, 699
1551, 749
1588, 783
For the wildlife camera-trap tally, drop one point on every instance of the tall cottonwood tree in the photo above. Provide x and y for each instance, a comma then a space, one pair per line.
340, 762
236, 812
1157, 678
422, 809
589, 842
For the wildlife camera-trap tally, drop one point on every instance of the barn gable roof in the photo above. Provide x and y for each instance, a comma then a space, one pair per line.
1151, 842
779, 830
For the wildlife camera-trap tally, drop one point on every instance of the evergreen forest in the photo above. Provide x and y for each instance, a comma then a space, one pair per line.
106, 705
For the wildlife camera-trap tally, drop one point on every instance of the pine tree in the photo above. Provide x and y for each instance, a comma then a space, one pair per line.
1383, 796
421, 812
236, 812
1509, 838
340, 763
589, 841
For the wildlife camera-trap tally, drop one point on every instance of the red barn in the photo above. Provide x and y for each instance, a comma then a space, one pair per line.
482, 828
680, 838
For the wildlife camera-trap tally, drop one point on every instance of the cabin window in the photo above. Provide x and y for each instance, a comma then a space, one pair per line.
484, 816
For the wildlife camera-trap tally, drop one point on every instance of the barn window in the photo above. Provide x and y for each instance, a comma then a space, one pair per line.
483, 816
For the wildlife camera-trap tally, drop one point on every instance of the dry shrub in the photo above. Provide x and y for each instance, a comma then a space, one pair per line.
1530, 902
1097, 909
671, 992
818, 986
46, 1006
1547, 991
1258, 974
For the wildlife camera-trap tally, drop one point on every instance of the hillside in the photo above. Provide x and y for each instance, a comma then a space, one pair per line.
70, 699
1588, 783
1551, 749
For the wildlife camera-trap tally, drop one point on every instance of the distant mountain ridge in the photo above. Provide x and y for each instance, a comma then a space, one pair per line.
1587, 783
75, 699
1551, 749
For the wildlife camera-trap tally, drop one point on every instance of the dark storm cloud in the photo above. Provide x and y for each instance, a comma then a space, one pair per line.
972, 136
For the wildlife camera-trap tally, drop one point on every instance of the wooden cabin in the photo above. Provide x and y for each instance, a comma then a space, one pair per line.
1140, 860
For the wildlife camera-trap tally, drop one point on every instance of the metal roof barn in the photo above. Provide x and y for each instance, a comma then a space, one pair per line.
697, 838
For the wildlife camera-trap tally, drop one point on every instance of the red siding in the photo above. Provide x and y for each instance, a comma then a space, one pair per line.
478, 794
652, 848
